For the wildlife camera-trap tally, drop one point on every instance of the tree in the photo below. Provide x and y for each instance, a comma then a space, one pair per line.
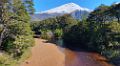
100, 14
14, 24
4, 19
19, 11
115, 11
15, 32
77, 37
66, 21
29, 6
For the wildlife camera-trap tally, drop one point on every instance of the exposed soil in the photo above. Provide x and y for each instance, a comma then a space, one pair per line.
48, 54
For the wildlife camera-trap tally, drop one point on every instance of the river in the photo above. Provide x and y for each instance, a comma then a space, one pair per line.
82, 58
48, 54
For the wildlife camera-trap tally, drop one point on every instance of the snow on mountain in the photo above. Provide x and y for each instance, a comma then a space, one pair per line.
71, 8
117, 3
67, 8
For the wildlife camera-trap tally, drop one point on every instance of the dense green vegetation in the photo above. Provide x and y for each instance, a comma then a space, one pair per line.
54, 26
15, 33
100, 32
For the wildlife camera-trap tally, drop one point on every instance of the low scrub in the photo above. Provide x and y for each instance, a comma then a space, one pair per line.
46, 34
58, 33
6, 60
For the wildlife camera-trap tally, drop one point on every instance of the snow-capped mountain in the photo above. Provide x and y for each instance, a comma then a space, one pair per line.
117, 3
71, 8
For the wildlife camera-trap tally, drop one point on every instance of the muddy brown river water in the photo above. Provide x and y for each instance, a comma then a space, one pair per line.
84, 59
48, 54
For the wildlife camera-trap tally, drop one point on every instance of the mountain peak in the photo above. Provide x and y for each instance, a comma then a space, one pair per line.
66, 8
71, 8
72, 4
117, 3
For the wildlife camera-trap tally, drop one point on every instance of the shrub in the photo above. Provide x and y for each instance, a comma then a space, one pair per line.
104, 39
19, 39
17, 46
77, 37
111, 54
6, 60
20, 28
58, 33
46, 34
113, 45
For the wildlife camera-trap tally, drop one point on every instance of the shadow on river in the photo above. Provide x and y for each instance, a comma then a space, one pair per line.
82, 58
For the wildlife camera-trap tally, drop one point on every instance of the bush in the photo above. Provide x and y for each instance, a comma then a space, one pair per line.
104, 39
113, 45
6, 60
19, 39
58, 33
111, 54
77, 37
20, 28
46, 34
17, 46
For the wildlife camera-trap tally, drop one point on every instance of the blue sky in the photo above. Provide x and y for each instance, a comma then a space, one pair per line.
42, 5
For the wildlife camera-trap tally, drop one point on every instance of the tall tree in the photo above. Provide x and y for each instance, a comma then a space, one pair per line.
29, 6
99, 14
4, 19
66, 21
115, 11
14, 24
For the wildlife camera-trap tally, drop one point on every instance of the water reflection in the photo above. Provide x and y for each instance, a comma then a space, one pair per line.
73, 58
82, 58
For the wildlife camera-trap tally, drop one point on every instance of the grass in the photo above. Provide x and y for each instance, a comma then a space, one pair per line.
8, 60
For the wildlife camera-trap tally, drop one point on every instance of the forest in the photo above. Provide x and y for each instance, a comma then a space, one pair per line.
99, 32
15, 33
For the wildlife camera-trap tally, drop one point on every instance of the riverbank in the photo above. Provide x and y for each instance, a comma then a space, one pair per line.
48, 54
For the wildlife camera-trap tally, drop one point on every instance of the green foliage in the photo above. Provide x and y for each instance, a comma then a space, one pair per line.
114, 26
20, 28
25, 55
105, 30
56, 26
64, 22
111, 54
46, 34
3, 60
103, 38
29, 6
77, 36
19, 38
6, 60
1, 28
114, 11
20, 44
15, 32
100, 14
114, 42
58, 33
17, 45
99, 32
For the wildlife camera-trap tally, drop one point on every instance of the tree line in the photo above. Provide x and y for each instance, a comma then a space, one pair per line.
15, 31
99, 32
